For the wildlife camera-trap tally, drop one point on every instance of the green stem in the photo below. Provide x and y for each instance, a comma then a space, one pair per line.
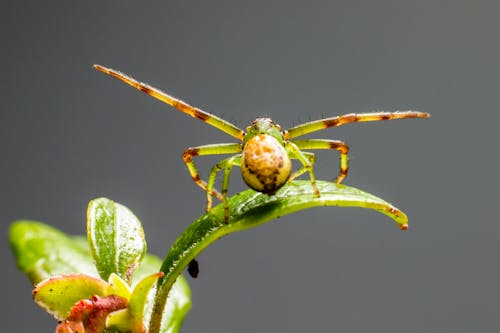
249, 209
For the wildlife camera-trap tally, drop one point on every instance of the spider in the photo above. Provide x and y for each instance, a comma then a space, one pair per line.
264, 152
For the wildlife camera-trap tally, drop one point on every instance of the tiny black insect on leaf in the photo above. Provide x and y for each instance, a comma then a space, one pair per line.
193, 268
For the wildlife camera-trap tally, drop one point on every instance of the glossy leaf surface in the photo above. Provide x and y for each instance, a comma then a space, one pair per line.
249, 209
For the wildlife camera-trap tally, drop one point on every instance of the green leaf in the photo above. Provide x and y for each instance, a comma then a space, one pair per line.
249, 209
42, 251
58, 294
119, 287
138, 301
179, 298
119, 321
116, 238
135, 317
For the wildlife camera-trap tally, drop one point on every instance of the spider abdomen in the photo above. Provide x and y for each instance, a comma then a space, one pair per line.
265, 164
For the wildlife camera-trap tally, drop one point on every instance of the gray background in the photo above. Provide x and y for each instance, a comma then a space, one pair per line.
69, 134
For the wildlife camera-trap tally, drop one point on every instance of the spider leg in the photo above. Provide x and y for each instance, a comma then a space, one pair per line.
320, 124
180, 105
312, 159
226, 165
214, 149
303, 158
329, 144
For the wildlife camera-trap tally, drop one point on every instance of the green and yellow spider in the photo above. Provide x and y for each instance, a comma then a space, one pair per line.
264, 152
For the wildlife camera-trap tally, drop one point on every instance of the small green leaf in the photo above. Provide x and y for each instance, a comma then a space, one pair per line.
138, 301
179, 298
134, 318
58, 294
249, 209
119, 321
42, 251
119, 287
116, 238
